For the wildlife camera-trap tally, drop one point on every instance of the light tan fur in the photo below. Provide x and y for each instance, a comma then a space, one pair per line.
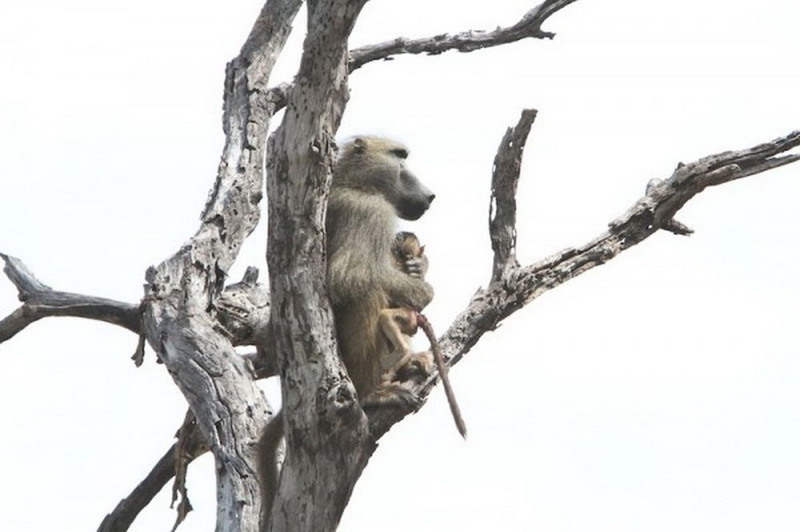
399, 323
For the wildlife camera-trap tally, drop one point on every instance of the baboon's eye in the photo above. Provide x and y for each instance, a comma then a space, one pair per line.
400, 153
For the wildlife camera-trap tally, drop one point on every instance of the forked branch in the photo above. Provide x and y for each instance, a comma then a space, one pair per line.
185, 318
512, 287
529, 26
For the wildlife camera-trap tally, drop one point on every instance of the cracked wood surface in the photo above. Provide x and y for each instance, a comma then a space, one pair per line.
193, 324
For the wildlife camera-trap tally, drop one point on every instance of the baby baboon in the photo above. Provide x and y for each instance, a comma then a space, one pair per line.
398, 323
371, 188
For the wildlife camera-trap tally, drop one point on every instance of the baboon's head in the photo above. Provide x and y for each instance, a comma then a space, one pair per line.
407, 244
378, 166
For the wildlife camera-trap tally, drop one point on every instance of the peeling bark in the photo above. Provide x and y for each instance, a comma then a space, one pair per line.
193, 321
327, 438
179, 307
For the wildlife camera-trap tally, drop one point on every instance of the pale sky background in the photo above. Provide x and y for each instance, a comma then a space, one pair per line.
656, 393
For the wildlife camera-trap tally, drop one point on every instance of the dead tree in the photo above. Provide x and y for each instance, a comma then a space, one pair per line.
193, 321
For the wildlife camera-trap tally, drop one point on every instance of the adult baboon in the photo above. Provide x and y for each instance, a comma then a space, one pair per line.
371, 189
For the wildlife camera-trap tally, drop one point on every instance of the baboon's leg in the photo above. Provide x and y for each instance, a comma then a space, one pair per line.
411, 366
397, 324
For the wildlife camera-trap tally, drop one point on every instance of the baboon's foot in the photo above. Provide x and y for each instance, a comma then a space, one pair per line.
413, 368
394, 395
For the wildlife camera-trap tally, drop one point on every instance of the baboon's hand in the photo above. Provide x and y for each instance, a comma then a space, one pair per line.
416, 266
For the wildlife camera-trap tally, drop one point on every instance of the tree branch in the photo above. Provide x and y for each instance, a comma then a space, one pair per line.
41, 301
518, 286
243, 310
529, 26
181, 295
121, 518
503, 204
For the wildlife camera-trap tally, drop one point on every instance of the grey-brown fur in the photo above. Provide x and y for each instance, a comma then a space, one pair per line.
371, 189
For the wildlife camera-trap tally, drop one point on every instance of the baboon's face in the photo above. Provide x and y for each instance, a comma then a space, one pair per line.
408, 195
413, 198
378, 166
407, 244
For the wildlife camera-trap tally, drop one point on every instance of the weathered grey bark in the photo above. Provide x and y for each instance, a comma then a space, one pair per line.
327, 437
503, 200
182, 292
193, 324
40, 301
528, 27
516, 286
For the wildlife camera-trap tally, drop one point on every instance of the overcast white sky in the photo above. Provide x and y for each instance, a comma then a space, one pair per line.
656, 393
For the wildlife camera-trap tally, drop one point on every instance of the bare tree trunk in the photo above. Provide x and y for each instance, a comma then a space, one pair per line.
327, 436
179, 310
192, 321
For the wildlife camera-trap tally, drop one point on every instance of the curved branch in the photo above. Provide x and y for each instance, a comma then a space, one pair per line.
528, 27
180, 312
518, 286
41, 301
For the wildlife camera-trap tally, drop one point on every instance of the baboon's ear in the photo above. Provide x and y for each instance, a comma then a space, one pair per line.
360, 145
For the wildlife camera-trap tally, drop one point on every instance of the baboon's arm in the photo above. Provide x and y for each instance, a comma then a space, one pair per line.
361, 229
405, 290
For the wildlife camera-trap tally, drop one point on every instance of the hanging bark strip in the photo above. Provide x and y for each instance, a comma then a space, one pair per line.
423, 322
